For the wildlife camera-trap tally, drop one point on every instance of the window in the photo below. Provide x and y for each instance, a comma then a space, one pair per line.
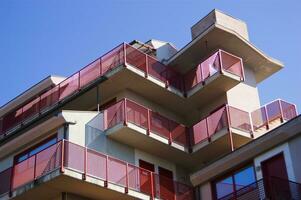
234, 183
36, 149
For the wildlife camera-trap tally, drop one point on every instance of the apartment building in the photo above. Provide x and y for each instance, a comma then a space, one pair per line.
149, 121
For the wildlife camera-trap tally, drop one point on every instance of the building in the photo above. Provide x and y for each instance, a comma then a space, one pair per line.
148, 121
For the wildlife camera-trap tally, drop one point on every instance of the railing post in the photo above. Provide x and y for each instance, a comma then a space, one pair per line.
107, 172
229, 128
124, 53
152, 185
242, 69
148, 122
221, 67
169, 134
267, 117
252, 126
201, 74
125, 122
62, 156
146, 65
11, 184
78, 87
126, 178
281, 111
35, 167
85, 163
207, 129
100, 67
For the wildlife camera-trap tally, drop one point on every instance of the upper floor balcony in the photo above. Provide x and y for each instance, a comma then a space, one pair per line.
219, 133
124, 67
62, 166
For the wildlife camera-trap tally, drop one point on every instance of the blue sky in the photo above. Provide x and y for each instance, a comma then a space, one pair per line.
39, 37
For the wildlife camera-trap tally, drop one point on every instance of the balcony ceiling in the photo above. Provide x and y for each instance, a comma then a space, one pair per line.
218, 36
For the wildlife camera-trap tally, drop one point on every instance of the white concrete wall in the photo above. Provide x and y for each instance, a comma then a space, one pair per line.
205, 191
283, 148
295, 149
164, 50
245, 95
76, 132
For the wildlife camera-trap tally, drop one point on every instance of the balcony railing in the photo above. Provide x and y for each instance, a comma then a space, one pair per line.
224, 117
122, 54
273, 189
127, 111
219, 62
266, 115
90, 163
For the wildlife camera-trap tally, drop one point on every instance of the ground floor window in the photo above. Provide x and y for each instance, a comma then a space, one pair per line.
234, 183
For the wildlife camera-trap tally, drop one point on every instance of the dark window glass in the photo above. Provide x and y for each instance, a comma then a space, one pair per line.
235, 182
35, 150
244, 178
42, 147
224, 187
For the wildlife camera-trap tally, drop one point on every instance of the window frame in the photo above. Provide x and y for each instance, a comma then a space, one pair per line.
30, 149
231, 175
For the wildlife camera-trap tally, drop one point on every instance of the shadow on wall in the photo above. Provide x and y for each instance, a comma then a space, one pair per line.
96, 139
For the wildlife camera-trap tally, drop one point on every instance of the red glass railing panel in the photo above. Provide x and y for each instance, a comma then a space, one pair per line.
232, 64
274, 110
49, 98
165, 187
69, 86
74, 157
48, 160
193, 77
289, 110
159, 125
136, 58
23, 172
12, 119
178, 133
114, 115
117, 171
199, 132
239, 119
112, 59
96, 164
136, 114
5, 180
89, 73
31, 109
157, 70
259, 118
217, 121
183, 192
210, 66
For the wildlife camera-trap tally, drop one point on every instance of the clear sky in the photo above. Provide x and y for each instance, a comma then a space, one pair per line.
39, 37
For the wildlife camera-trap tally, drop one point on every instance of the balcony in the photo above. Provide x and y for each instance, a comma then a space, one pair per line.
222, 131
213, 77
68, 167
274, 188
272, 115
122, 68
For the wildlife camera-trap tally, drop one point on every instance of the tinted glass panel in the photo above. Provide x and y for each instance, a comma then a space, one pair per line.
224, 187
42, 147
244, 178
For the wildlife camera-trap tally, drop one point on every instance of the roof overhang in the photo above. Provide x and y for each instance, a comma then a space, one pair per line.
247, 152
31, 93
220, 37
